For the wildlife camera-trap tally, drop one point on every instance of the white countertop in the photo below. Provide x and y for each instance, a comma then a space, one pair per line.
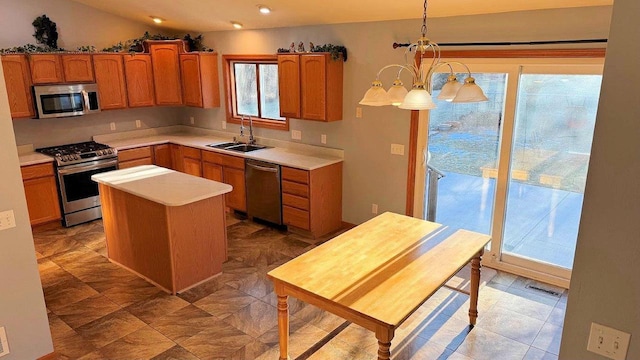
161, 185
34, 158
305, 159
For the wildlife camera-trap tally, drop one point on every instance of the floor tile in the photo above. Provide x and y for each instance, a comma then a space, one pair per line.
175, 353
131, 292
182, 324
161, 304
225, 302
218, 341
482, 344
549, 339
511, 325
87, 310
537, 354
67, 292
254, 319
144, 343
110, 328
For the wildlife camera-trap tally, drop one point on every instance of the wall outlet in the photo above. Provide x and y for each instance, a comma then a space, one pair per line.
608, 342
7, 220
224, 125
296, 134
397, 149
374, 209
138, 124
192, 120
4, 343
358, 112
112, 126
323, 138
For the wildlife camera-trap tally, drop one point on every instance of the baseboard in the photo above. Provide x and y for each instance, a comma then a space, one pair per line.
51, 356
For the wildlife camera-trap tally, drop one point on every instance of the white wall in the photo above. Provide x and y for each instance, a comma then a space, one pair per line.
371, 173
22, 308
605, 286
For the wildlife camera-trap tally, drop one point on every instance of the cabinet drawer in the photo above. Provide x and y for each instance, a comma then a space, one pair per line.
190, 152
36, 171
212, 157
295, 217
300, 176
132, 154
295, 188
233, 161
134, 162
295, 201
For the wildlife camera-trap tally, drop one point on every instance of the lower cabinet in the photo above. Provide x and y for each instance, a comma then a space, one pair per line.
312, 200
41, 192
134, 157
162, 155
230, 170
191, 161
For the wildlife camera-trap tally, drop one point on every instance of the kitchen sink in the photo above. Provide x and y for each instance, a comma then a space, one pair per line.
240, 147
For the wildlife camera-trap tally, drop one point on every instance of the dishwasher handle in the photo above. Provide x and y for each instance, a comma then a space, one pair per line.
263, 168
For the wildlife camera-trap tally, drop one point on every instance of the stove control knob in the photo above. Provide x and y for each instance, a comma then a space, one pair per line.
65, 157
99, 152
109, 151
76, 157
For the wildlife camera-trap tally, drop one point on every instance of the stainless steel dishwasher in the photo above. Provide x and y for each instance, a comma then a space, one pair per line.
264, 199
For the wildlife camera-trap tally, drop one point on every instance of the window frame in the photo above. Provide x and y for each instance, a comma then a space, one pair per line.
229, 81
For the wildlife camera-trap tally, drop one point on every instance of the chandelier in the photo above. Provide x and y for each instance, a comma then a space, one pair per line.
419, 98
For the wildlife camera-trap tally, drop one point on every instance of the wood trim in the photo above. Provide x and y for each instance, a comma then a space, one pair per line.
413, 152
50, 356
229, 91
523, 53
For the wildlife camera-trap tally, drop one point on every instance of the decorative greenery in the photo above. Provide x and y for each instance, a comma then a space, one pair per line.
336, 51
135, 45
86, 48
195, 44
46, 31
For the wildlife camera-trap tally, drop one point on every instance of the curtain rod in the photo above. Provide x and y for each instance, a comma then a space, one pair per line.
507, 43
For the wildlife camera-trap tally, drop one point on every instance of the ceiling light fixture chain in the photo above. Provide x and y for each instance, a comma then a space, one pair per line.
419, 98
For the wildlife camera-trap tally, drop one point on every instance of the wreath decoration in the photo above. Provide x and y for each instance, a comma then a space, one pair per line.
46, 31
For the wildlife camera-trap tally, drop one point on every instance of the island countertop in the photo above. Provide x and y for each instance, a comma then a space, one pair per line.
161, 185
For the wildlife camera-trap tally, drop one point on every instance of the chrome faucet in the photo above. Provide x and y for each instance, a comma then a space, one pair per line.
252, 140
241, 127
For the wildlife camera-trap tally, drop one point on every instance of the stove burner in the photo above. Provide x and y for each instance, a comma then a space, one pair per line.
79, 152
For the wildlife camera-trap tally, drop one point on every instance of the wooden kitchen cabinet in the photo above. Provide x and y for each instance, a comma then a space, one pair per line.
162, 155
313, 89
200, 86
133, 157
191, 161
109, 71
77, 68
166, 73
312, 200
139, 79
17, 78
46, 69
41, 193
230, 170
289, 85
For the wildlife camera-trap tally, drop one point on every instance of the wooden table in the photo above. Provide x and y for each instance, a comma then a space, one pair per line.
378, 273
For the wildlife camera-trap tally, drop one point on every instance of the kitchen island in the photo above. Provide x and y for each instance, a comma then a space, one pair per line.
166, 226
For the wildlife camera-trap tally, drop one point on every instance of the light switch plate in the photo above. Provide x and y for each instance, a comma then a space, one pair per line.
358, 112
138, 124
608, 342
192, 120
7, 220
296, 134
112, 126
4, 343
397, 149
323, 138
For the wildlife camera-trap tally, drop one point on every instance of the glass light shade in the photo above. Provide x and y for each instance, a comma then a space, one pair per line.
375, 96
450, 89
397, 93
418, 99
470, 92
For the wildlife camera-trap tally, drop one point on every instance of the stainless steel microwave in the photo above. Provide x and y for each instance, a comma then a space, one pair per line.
66, 100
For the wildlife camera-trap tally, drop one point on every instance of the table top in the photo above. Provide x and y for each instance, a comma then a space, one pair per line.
383, 269
161, 185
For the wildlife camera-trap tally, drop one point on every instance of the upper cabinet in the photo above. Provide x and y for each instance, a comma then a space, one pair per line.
313, 89
200, 79
18, 81
139, 77
166, 72
46, 69
77, 68
110, 80
289, 85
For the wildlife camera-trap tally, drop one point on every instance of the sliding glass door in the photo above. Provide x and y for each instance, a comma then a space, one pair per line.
515, 167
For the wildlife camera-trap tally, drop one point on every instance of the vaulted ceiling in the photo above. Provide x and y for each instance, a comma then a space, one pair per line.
215, 15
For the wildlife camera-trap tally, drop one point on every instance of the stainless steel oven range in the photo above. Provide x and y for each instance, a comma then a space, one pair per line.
75, 163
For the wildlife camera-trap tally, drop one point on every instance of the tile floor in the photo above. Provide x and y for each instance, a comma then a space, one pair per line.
98, 310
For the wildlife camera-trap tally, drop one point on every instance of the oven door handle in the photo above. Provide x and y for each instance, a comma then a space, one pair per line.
73, 169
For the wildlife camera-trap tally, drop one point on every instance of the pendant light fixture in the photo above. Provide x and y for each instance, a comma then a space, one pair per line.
419, 98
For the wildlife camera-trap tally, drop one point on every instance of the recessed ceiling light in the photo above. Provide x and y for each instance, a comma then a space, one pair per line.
264, 9
236, 25
156, 19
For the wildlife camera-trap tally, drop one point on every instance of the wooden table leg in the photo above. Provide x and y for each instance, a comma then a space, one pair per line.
283, 326
384, 337
475, 286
